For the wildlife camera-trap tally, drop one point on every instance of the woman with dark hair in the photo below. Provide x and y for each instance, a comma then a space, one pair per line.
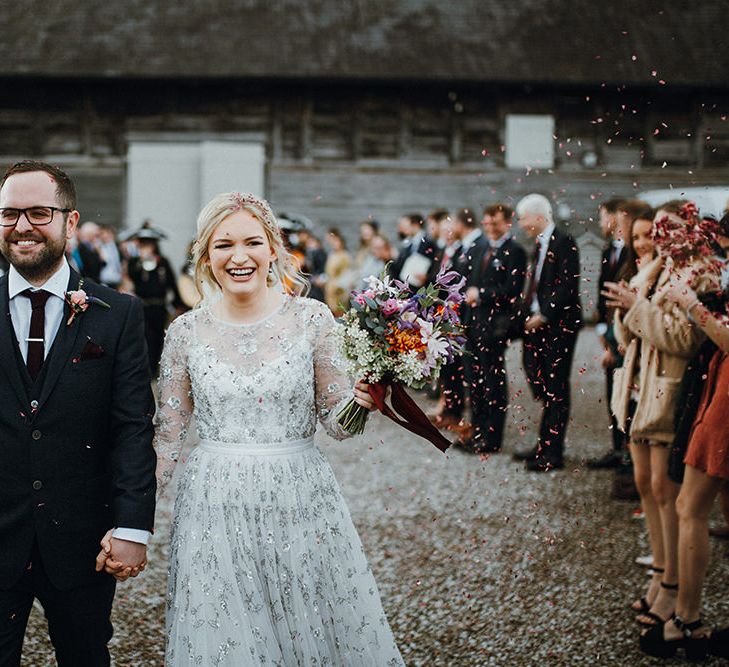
706, 474
660, 341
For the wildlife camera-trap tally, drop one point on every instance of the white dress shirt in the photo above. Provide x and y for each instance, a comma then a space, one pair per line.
616, 249
500, 241
469, 239
20, 312
544, 238
20, 308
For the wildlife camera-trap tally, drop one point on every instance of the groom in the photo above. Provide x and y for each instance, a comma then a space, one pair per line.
75, 427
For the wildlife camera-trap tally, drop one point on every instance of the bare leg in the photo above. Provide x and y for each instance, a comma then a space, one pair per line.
642, 473
724, 497
694, 506
665, 491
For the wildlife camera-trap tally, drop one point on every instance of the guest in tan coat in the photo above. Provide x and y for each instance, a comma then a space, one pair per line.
659, 341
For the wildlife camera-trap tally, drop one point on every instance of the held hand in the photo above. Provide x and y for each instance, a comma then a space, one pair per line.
619, 295
472, 296
608, 359
105, 552
362, 395
121, 558
533, 323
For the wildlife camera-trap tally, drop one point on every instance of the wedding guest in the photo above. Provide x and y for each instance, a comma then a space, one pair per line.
380, 255
659, 342
493, 291
112, 271
88, 250
706, 472
416, 245
338, 271
449, 228
639, 253
314, 264
455, 377
155, 283
616, 218
434, 233
550, 331
266, 566
368, 229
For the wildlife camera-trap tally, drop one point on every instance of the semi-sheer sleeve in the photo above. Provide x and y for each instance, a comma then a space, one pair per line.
174, 408
332, 385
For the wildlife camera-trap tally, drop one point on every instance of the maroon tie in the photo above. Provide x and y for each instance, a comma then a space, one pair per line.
487, 258
36, 346
533, 284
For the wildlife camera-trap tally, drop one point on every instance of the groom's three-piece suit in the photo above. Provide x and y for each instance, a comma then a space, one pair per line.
76, 459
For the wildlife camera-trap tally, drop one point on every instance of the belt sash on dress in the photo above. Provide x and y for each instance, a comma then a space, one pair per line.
259, 449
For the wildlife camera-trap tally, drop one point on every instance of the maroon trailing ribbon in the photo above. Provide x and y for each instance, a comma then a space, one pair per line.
414, 420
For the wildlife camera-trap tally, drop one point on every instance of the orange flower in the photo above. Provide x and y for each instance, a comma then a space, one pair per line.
404, 340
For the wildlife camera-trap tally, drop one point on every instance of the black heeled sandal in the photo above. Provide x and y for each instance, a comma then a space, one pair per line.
655, 619
643, 606
653, 642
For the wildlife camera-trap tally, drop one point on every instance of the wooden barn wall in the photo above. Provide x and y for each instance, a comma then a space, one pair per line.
340, 153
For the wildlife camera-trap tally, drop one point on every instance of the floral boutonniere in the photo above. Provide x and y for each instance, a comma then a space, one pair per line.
79, 302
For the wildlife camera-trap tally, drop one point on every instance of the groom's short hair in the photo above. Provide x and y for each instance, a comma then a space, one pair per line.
65, 190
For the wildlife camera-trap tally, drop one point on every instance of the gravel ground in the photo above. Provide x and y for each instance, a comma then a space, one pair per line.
478, 562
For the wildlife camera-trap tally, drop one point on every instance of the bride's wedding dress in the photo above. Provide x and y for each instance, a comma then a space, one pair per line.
266, 567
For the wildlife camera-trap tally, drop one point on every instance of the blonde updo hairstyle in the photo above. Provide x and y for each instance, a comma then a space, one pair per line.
284, 269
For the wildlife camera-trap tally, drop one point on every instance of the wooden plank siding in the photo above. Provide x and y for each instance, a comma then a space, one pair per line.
339, 153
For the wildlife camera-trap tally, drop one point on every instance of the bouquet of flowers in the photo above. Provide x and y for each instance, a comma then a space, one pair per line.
394, 338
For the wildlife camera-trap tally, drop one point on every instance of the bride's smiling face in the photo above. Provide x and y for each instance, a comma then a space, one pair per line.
240, 255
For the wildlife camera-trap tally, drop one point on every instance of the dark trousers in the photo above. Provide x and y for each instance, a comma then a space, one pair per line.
489, 394
547, 358
78, 619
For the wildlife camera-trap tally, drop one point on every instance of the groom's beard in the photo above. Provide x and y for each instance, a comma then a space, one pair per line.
41, 264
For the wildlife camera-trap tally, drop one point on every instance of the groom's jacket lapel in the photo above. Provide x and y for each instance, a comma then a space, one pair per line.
9, 352
63, 344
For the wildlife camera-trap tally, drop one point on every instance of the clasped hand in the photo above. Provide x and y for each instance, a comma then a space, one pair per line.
121, 558
619, 295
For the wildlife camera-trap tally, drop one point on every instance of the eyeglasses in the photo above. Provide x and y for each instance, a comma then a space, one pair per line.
35, 215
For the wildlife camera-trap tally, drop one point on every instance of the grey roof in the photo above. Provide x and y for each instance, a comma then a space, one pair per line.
680, 42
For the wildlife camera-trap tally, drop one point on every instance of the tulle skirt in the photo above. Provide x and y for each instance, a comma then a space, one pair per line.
266, 567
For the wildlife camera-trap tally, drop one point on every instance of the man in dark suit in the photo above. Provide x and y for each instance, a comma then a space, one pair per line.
613, 256
455, 376
550, 332
616, 220
493, 292
411, 229
75, 428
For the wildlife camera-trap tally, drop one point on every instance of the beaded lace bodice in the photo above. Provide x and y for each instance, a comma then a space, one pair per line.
254, 384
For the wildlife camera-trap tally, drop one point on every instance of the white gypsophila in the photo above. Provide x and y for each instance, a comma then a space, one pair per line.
363, 358
408, 369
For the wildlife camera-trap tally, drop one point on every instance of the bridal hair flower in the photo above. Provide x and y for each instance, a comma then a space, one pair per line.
79, 301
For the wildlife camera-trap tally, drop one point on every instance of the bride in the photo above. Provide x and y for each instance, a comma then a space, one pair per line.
266, 567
